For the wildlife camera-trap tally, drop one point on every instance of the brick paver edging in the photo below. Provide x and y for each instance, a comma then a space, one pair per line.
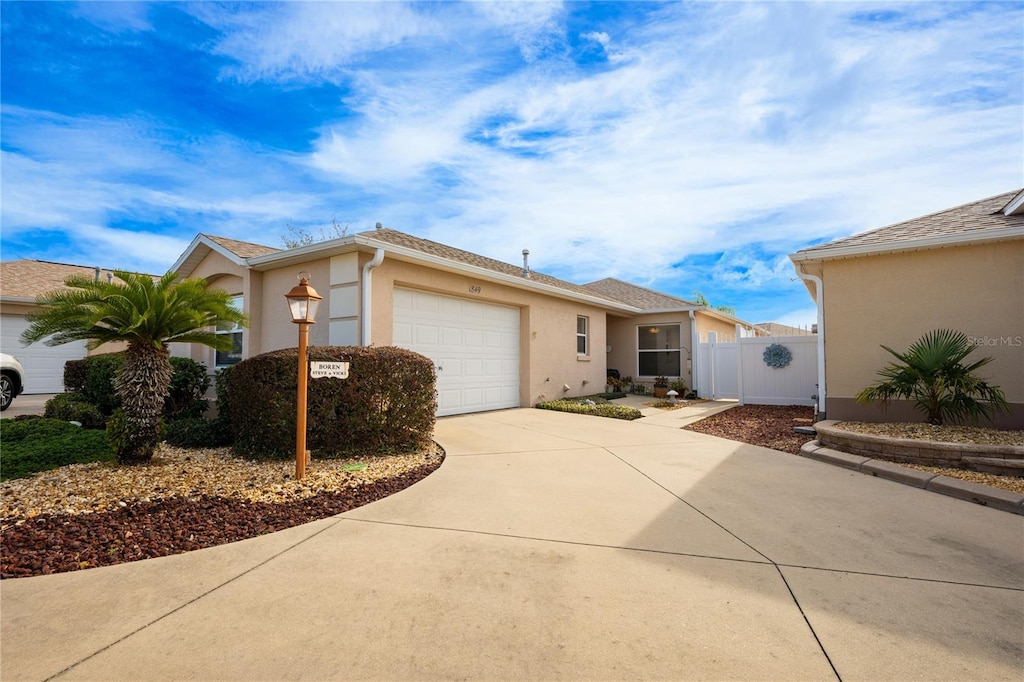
985, 495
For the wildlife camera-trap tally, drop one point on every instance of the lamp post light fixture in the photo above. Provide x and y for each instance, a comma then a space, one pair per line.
303, 302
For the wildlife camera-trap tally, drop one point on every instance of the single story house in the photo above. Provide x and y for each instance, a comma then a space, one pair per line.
21, 281
962, 268
500, 335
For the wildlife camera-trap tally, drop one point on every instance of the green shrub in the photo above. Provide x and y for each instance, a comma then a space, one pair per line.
93, 379
598, 410
34, 445
186, 398
73, 407
386, 405
194, 432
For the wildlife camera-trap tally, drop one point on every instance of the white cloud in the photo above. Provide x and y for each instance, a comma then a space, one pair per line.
748, 130
310, 39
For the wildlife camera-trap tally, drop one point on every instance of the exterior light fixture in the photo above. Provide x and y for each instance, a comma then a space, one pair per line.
303, 302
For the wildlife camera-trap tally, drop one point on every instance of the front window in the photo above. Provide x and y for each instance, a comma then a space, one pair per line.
582, 335
659, 350
234, 354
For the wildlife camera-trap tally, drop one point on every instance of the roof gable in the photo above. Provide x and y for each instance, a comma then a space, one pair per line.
238, 252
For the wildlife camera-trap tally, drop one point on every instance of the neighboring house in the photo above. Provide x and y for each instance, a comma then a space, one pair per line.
776, 329
658, 339
500, 335
962, 268
21, 281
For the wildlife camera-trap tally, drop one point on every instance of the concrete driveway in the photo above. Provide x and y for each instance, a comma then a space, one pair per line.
555, 546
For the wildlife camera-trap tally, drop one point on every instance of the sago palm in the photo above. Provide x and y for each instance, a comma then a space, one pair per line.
147, 315
933, 374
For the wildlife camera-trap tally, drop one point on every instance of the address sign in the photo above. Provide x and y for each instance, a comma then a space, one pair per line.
321, 370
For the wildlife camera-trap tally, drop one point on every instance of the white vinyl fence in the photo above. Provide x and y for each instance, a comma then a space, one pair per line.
738, 371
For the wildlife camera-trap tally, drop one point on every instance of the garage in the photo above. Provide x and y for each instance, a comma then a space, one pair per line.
44, 365
474, 346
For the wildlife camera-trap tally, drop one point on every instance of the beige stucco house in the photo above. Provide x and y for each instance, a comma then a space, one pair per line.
500, 335
962, 268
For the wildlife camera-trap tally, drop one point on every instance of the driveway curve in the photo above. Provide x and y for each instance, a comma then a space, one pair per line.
556, 546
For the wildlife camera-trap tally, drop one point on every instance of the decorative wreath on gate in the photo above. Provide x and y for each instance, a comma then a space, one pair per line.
777, 356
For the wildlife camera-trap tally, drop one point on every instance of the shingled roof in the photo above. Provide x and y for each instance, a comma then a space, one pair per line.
975, 220
444, 251
27, 278
636, 296
240, 248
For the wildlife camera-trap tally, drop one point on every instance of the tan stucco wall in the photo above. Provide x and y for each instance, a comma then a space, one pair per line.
726, 331
547, 328
622, 336
894, 299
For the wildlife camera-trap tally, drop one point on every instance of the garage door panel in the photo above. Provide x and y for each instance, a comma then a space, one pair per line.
44, 365
427, 335
475, 345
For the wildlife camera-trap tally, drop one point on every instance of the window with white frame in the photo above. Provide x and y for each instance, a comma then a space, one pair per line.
582, 335
659, 350
233, 355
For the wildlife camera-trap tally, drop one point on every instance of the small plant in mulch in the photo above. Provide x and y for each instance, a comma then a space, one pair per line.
590, 407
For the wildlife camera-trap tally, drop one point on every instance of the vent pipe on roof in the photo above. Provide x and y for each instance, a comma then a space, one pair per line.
110, 277
526, 262
96, 275
380, 226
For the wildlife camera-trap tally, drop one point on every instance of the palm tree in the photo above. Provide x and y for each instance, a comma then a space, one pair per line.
147, 315
933, 375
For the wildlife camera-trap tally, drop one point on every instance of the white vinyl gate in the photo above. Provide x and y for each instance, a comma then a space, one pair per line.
737, 371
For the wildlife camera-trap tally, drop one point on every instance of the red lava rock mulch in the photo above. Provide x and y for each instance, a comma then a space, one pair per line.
770, 426
55, 543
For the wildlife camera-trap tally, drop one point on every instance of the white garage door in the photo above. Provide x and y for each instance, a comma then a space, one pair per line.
474, 346
44, 365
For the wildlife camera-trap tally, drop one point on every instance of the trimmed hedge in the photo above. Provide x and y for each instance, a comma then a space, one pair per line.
387, 404
33, 445
598, 410
93, 379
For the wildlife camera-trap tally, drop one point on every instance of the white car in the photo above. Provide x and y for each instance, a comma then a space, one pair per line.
12, 380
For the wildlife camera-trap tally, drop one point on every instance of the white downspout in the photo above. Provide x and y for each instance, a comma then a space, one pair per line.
819, 290
694, 350
365, 311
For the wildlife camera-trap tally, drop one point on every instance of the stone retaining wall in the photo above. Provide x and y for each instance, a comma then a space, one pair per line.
1001, 458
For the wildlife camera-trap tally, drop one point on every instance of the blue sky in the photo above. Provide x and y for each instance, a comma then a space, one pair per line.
681, 146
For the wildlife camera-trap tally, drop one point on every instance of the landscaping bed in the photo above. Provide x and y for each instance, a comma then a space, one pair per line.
771, 426
88, 515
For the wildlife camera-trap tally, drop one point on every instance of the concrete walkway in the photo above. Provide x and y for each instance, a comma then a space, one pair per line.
554, 546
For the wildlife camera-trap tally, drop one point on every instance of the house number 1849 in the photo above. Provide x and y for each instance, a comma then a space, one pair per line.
474, 290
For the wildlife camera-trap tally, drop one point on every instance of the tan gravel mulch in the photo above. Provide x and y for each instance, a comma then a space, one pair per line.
88, 515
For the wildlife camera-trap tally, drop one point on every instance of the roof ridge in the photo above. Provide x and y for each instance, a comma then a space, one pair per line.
449, 252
